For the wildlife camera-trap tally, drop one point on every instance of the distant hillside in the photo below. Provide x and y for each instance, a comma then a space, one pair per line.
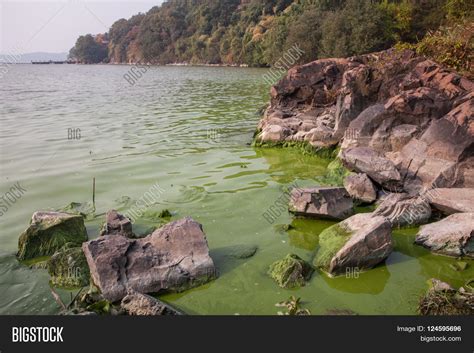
259, 32
29, 57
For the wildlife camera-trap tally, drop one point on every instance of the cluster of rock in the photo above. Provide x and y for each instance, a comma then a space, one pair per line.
174, 257
404, 127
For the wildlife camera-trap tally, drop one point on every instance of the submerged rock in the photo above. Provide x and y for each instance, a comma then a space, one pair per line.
359, 242
173, 258
117, 224
137, 304
442, 299
452, 236
402, 210
360, 188
321, 202
449, 201
50, 231
242, 251
290, 272
68, 268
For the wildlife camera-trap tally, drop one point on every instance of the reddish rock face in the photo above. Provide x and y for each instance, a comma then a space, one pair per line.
173, 258
406, 108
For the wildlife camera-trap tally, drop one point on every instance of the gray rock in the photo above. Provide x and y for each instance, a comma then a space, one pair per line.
50, 231
378, 168
402, 210
449, 201
360, 188
452, 236
137, 304
321, 202
358, 243
173, 258
117, 224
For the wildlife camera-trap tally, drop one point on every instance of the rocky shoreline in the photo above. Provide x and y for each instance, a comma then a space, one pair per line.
400, 129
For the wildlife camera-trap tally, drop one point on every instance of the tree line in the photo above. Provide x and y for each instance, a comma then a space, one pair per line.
257, 32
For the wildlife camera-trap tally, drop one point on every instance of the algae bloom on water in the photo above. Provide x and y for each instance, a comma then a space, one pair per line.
291, 272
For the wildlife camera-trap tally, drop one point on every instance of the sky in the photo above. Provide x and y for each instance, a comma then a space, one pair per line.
53, 26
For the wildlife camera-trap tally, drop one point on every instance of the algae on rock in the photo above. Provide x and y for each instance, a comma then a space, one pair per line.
331, 240
291, 271
48, 232
68, 268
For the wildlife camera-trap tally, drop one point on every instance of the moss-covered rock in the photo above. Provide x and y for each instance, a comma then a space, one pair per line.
291, 271
331, 240
68, 268
360, 242
335, 174
50, 231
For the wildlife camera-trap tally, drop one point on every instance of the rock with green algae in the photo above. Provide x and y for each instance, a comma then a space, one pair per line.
242, 251
291, 272
68, 268
48, 232
360, 242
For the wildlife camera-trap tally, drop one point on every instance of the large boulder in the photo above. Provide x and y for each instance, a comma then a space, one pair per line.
68, 268
452, 236
138, 304
321, 202
378, 168
403, 210
50, 231
360, 188
117, 224
290, 272
173, 258
449, 201
358, 243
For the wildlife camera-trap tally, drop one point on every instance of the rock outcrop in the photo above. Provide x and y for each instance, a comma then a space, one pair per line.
48, 232
360, 188
173, 258
321, 202
452, 236
358, 243
400, 118
117, 224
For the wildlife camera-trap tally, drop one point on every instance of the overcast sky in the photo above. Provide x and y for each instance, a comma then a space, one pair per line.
53, 26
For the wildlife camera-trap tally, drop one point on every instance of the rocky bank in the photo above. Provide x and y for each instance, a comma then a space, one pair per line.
404, 126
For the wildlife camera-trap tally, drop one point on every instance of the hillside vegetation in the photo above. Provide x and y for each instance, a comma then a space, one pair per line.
258, 32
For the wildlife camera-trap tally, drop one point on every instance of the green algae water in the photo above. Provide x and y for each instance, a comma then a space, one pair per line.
189, 130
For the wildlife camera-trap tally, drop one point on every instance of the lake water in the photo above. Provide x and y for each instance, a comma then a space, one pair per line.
188, 129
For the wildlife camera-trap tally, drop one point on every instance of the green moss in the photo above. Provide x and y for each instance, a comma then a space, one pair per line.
303, 147
68, 268
290, 272
165, 214
335, 174
331, 240
46, 237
